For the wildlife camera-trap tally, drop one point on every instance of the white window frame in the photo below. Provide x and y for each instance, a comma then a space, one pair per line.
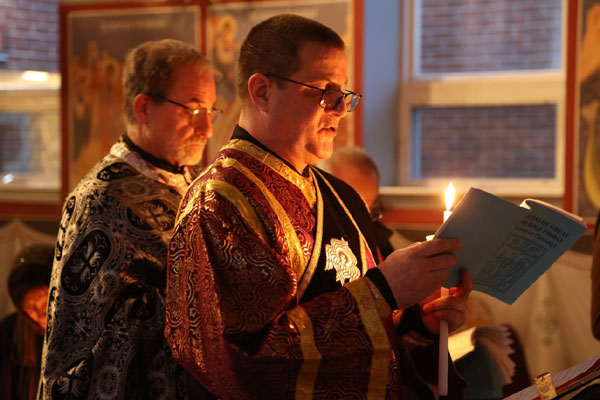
506, 88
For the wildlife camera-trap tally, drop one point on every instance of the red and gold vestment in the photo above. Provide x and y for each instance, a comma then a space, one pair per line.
266, 293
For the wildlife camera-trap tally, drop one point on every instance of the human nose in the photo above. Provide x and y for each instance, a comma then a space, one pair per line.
202, 124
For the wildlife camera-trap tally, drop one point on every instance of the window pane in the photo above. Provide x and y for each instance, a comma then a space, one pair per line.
29, 155
484, 142
29, 106
489, 35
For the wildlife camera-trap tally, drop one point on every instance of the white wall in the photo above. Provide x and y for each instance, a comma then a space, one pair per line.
381, 65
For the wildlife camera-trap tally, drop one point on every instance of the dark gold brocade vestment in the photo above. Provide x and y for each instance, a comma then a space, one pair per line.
106, 305
266, 293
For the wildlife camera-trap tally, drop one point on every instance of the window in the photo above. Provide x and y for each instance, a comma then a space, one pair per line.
29, 103
482, 96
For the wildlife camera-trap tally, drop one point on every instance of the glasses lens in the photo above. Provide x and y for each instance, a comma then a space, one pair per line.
352, 101
215, 115
199, 115
331, 99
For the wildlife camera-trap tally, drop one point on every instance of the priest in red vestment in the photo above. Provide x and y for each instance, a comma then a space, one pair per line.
274, 288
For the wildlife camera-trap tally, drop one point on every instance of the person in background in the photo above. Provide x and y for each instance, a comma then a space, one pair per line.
355, 166
106, 303
274, 287
22, 332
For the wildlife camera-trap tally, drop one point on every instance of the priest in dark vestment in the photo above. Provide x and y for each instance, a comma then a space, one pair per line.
274, 286
104, 337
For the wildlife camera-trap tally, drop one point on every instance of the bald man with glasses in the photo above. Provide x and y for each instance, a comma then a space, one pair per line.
274, 287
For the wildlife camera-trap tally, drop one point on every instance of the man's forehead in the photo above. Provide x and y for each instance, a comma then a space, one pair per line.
323, 62
189, 76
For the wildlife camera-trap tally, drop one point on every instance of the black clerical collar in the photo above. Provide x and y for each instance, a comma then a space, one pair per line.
241, 133
157, 162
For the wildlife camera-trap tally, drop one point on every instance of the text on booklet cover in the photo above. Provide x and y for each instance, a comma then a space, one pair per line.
506, 247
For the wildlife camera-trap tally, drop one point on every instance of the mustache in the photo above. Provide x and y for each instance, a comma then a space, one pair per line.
197, 140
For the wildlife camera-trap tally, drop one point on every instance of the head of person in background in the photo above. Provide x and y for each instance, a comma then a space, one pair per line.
22, 332
292, 86
355, 166
28, 283
169, 101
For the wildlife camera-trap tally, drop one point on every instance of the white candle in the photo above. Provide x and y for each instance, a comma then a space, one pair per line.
443, 348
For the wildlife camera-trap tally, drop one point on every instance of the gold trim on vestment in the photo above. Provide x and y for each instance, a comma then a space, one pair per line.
298, 261
360, 235
306, 278
311, 357
306, 185
378, 376
237, 199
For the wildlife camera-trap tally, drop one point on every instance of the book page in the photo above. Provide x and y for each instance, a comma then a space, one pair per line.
504, 246
546, 233
461, 343
496, 340
576, 372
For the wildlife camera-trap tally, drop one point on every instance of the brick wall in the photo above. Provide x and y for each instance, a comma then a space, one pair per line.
29, 35
494, 142
489, 35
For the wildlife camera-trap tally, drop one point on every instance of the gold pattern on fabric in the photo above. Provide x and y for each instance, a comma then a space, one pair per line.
306, 185
235, 197
239, 201
310, 354
191, 204
365, 247
298, 260
340, 258
318, 239
378, 376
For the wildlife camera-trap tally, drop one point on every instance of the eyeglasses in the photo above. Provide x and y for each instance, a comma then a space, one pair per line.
376, 212
330, 98
198, 114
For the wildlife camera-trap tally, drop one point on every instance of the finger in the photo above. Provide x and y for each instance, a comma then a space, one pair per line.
455, 318
435, 295
438, 246
440, 262
466, 280
446, 303
466, 284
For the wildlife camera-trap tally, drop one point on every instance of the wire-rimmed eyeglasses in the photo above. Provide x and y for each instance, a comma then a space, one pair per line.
198, 115
330, 98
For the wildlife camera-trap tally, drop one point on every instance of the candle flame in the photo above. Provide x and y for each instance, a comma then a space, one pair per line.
449, 195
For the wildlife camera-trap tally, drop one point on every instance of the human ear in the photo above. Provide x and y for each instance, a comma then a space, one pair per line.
140, 108
258, 90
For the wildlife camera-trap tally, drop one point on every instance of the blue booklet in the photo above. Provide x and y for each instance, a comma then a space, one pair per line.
506, 247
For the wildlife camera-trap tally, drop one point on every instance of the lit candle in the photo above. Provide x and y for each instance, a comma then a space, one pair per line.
449, 197
443, 348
